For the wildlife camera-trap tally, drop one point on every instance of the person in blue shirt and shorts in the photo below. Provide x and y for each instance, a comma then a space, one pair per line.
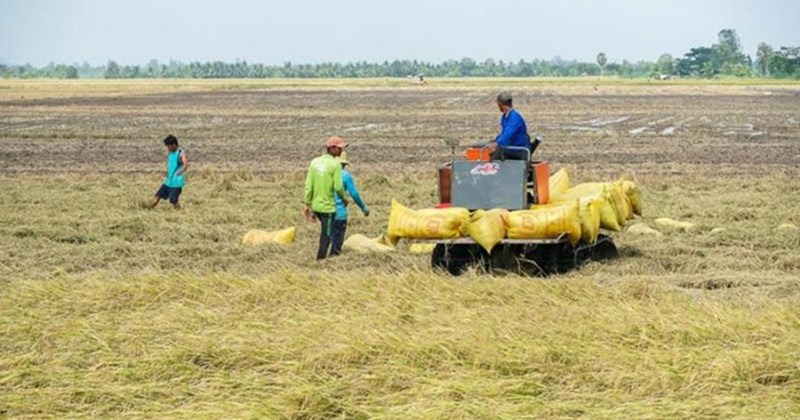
176, 170
340, 220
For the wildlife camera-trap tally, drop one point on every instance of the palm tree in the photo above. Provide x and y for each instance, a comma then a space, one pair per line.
601, 61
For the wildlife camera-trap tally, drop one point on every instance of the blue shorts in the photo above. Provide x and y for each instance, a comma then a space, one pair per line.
170, 193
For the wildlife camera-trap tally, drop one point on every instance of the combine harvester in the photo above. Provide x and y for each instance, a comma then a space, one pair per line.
476, 183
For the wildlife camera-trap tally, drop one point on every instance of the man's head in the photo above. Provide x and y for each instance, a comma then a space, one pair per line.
504, 102
335, 146
171, 142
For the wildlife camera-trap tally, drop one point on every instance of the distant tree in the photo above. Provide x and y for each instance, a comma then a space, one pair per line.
112, 70
153, 69
785, 62
131, 72
626, 69
728, 56
71, 72
763, 55
602, 60
730, 40
63, 71
698, 62
467, 66
665, 64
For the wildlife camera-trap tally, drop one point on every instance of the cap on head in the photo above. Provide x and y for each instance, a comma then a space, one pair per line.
504, 98
343, 158
335, 142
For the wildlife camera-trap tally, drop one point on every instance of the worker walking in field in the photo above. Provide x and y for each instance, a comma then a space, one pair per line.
323, 183
513, 133
176, 174
340, 221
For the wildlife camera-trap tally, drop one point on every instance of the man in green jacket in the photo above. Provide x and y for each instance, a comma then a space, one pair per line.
324, 179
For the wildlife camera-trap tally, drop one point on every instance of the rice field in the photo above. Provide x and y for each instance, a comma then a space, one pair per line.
108, 309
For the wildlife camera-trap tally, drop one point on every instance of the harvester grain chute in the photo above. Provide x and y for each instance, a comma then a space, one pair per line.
480, 181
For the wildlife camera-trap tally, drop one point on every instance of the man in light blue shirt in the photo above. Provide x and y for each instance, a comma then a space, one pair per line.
176, 169
340, 221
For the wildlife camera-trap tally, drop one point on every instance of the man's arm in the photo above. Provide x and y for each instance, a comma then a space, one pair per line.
350, 187
309, 192
184, 164
338, 184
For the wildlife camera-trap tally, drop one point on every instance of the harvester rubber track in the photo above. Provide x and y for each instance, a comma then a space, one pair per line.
534, 257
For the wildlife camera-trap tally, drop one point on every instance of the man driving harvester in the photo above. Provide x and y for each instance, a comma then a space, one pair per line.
513, 133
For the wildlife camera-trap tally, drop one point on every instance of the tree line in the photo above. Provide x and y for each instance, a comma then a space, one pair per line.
723, 58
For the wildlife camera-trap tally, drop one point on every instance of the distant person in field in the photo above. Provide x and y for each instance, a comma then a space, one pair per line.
323, 182
340, 221
176, 170
513, 131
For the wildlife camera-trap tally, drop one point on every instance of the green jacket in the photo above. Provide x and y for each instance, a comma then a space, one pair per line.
323, 180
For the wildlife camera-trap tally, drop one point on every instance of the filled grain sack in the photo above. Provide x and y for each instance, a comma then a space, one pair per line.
632, 192
548, 221
260, 237
621, 203
559, 183
387, 240
674, 224
609, 217
487, 227
590, 217
427, 223
364, 245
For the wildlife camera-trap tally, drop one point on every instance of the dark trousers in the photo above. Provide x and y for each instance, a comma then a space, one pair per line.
339, 228
325, 236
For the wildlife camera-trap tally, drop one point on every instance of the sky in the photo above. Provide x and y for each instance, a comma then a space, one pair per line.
310, 31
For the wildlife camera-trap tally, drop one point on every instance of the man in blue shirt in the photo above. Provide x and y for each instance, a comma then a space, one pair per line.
340, 221
176, 169
513, 133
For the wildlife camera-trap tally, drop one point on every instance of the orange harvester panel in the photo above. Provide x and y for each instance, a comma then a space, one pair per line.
477, 154
541, 171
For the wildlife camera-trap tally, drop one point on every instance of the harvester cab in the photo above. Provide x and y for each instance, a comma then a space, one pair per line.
510, 179
507, 179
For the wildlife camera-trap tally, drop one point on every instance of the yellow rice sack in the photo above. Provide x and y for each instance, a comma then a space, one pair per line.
674, 224
427, 223
590, 218
608, 212
559, 183
387, 240
621, 203
487, 227
546, 222
364, 245
632, 192
280, 237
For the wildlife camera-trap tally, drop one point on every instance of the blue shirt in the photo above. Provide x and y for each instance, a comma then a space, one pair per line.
513, 132
350, 187
174, 180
